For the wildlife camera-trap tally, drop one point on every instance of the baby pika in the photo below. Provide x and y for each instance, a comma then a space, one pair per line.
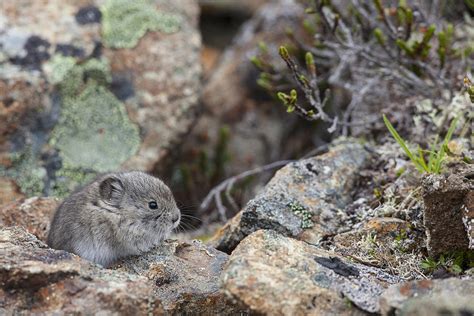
115, 216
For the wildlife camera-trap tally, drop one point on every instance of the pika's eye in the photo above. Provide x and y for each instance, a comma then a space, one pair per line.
152, 205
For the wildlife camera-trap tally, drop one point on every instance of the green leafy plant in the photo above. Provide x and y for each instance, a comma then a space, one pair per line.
454, 262
435, 157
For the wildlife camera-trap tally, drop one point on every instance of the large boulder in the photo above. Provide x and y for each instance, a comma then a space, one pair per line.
276, 275
110, 84
304, 199
175, 278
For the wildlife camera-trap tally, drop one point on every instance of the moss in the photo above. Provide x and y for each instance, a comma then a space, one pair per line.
94, 131
303, 213
125, 22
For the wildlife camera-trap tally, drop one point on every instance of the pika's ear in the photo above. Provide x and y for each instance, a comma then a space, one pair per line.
111, 190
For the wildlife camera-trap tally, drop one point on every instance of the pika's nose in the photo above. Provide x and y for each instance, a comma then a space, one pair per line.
175, 218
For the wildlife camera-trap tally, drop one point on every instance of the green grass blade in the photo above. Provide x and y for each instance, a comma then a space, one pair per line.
421, 159
442, 151
431, 158
402, 143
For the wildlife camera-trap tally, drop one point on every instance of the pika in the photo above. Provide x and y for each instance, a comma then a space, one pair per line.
115, 216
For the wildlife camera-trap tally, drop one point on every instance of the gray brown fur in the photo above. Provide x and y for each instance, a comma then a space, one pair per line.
110, 218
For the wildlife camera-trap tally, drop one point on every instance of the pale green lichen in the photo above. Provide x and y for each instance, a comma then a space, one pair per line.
29, 176
58, 67
94, 131
303, 213
124, 22
68, 178
72, 82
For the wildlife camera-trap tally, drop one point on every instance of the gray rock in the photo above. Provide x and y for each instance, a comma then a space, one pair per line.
449, 214
429, 297
303, 200
276, 275
176, 278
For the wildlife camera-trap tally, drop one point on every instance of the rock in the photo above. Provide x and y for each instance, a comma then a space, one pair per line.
303, 200
234, 105
33, 214
95, 91
276, 275
186, 277
36, 279
429, 297
448, 214
9, 191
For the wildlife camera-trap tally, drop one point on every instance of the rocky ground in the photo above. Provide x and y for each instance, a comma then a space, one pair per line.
352, 228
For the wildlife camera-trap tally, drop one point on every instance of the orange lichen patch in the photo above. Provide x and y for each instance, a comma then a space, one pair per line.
386, 225
411, 288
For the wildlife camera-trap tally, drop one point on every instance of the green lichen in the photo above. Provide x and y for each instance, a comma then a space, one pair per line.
94, 131
71, 76
58, 67
68, 178
124, 22
29, 176
303, 213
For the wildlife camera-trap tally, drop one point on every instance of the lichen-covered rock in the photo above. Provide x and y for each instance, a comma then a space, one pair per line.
429, 297
37, 279
276, 275
118, 80
33, 214
448, 214
186, 276
304, 199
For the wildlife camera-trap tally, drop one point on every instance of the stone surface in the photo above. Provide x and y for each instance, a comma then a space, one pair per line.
39, 280
33, 214
125, 93
429, 297
304, 199
186, 276
277, 275
9, 191
446, 216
